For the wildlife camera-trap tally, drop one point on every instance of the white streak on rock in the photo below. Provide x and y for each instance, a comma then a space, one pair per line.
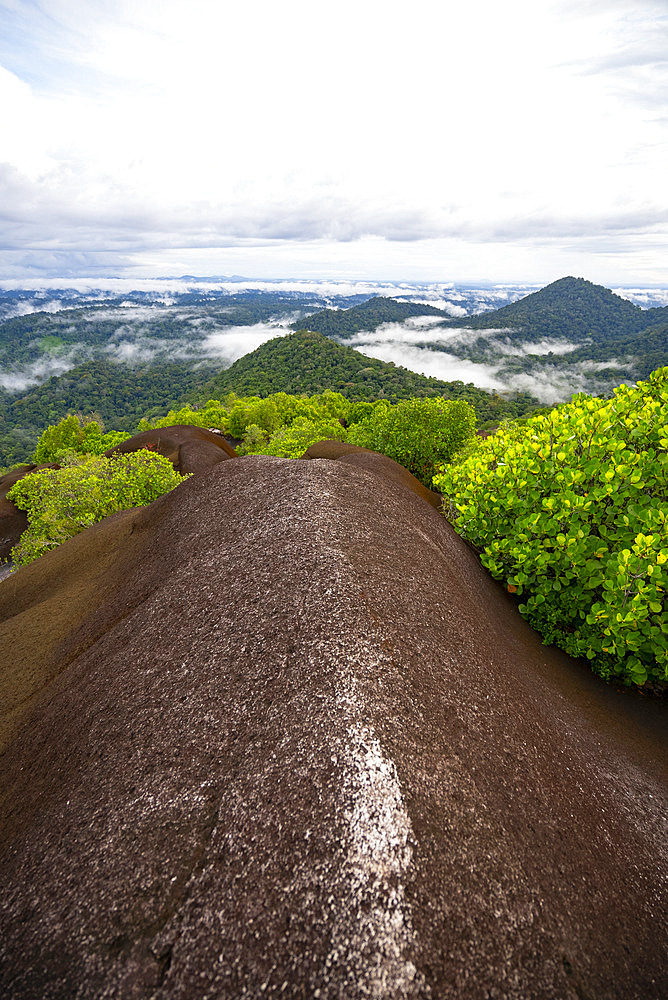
373, 931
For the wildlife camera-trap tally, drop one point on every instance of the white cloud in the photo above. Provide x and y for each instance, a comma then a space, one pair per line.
409, 333
551, 385
135, 133
18, 379
436, 364
230, 343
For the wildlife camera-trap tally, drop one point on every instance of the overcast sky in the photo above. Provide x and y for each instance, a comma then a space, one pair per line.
510, 141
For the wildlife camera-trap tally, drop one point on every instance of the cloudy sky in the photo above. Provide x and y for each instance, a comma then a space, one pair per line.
514, 141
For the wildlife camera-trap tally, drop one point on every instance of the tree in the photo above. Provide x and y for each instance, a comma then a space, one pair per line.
420, 434
62, 502
570, 509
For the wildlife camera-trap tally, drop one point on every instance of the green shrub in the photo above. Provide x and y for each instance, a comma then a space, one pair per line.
212, 414
254, 440
571, 510
62, 502
74, 434
420, 434
291, 441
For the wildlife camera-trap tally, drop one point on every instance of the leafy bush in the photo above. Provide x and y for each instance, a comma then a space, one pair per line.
261, 412
571, 510
72, 434
62, 502
212, 414
420, 434
291, 441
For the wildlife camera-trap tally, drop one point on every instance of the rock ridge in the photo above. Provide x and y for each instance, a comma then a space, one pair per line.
280, 735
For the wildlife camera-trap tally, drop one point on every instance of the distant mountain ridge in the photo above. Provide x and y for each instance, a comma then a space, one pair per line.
573, 306
369, 315
572, 322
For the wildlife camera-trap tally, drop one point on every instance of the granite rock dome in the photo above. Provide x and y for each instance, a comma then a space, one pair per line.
278, 734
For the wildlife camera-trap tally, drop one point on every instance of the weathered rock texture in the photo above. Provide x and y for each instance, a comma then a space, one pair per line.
279, 735
189, 449
341, 451
13, 522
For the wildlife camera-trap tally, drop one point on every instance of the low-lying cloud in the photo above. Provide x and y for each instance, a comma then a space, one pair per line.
557, 385
436, 364
408, 344
415, 330
24, 377
421, 343
232, 342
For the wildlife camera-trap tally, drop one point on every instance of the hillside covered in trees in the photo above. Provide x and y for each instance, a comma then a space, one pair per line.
568, 508
309, 362
137, 356
121, 395
571, 323
369, 315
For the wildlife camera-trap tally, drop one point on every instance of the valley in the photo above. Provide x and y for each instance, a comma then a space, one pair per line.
124, 353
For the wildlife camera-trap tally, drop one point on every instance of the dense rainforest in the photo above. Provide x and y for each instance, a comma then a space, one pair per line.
134, 356
310, 362
571, 322
368, 316
121, 394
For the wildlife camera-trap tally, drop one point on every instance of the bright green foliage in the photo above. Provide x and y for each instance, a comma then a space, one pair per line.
62, 502
263, 413
359, 412
420, 434
72, 434
212, 414
293, 440
253, 441
571, 510
308, 362
285, 425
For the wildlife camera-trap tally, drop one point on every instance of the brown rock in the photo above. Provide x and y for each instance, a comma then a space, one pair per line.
351, 454
283, 736
190, 449
13, 522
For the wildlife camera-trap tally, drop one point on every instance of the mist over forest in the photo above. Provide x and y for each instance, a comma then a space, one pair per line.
46, 331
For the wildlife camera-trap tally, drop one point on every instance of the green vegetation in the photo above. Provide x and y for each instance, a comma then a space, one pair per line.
571, 510
72, 434
85, 330
569, 506
62, 502
308, 362
420, 434
569, 307
293, 440
602, 326
606, 328
368, 315
120, 395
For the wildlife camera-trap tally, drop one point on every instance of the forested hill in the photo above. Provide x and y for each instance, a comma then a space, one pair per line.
572, 308
308, 362
369, 315
569, 309
119, 394
571, 324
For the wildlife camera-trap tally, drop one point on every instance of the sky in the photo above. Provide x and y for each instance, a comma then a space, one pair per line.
437, 141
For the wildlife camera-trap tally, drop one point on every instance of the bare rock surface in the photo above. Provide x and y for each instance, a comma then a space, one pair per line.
364, 458
278, 734
190, 449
